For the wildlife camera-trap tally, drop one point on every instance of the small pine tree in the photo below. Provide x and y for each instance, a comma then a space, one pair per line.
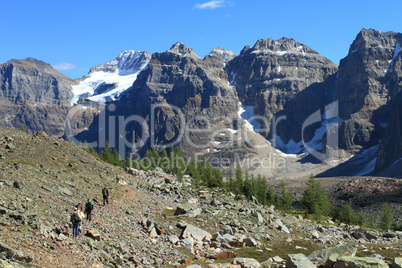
361, 218
85, 144
347, 214
371, 221
386, 218
165, 161
106, 153
116, 158
239, 181
127, 163
230, 181
314, 198
286, 198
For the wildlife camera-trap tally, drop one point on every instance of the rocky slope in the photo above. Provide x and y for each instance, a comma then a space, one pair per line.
153, 219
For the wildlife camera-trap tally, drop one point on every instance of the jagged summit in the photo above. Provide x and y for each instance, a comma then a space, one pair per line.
128, 62
281, 46
371, 38
222, 54
182, 49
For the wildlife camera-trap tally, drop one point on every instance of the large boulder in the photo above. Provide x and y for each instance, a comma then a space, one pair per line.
195, 232
397, 263
321, 256
359, 262
11, 253
247, 262
298, 261
188, 209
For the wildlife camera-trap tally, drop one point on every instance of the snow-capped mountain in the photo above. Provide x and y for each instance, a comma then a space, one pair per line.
106, 82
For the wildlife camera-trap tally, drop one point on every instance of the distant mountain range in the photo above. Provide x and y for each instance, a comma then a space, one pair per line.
279, 93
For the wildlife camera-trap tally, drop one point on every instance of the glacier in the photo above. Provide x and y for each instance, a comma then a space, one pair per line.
106, 82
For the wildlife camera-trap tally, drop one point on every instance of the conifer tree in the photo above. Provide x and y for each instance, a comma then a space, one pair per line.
286, 198
106, 154
347, 214
314, 198
116, 158
239, 180
371, 221
386, 218
165, 161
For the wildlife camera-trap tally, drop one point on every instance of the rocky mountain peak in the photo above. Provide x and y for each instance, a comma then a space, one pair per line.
222, 54
182, 49
283, 45
128, 62
32, 63
33, 80
371, 38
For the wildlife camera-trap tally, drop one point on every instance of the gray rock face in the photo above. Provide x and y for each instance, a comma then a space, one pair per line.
364, 86
390, 150
178, 86
33, 80
273, 72
36, 96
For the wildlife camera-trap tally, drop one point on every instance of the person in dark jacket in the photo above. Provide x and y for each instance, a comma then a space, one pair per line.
89, 205
105, 193
75, 220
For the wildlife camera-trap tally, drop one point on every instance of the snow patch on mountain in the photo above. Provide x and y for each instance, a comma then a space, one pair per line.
106, 82
397, 50
329, 120
247, 113
369, 157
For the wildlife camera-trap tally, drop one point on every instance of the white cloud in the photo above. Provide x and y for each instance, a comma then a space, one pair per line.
211, 4
64, 66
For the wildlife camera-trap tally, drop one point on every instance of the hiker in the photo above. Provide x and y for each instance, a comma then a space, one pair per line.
75, 220
79, 206
80, 212
117, 179
89, 205
105, 193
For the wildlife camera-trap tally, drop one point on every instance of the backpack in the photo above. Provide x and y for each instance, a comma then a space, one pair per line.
75, 218
89, 205
105, 192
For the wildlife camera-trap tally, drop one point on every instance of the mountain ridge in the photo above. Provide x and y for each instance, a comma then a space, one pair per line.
274, 78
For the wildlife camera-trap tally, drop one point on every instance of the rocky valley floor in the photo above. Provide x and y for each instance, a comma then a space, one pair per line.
155, 220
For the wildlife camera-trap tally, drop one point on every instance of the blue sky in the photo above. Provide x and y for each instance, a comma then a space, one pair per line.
77, 35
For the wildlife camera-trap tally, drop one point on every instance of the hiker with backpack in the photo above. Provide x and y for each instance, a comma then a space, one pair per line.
105, 193
89, 205
75, 220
